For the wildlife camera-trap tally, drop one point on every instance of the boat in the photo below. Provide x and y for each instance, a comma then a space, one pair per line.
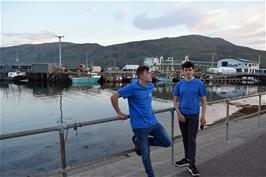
164, 80
92, 78
17, 76
249, 80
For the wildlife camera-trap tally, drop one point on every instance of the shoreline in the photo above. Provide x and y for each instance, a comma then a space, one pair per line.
245, 112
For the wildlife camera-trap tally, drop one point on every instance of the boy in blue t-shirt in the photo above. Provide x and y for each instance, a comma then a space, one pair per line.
148, 131
187, 95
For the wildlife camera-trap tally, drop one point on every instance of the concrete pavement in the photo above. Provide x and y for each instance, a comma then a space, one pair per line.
243, 156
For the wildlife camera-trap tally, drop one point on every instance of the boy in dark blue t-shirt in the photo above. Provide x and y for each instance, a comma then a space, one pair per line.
148, 131
187, 95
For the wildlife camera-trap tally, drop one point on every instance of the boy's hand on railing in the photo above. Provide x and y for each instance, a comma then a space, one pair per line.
122, 116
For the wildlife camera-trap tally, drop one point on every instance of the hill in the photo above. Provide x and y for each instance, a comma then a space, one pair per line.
195, 46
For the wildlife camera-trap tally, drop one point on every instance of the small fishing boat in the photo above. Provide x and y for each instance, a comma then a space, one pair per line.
92, 78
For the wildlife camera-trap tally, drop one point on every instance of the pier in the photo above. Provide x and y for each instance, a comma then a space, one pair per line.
118, 76
57, 77
236, 78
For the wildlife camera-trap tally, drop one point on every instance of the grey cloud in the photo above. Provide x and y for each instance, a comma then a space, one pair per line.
32, 36
11, 39
175, 18
258, 34
119, 16
260, 42
257, 44
12, 34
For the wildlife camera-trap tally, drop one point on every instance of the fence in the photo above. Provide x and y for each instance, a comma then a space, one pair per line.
61, 128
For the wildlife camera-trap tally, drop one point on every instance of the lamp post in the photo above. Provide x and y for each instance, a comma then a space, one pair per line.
59, 37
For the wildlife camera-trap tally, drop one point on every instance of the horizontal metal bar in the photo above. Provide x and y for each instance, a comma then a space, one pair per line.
111, 119
162, 110
28, 132
236, 98
93, 122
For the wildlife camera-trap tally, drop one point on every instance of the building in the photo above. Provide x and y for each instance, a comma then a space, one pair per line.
241, 65
152, 62
130, 68
43, 68
96, 69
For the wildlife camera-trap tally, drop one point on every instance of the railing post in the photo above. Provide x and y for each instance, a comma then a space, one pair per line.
63, 151
172, 135
227, 121
259, 109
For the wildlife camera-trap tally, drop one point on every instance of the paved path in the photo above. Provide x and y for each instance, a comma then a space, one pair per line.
243, 156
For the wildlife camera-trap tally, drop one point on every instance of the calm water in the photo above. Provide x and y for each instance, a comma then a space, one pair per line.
25, 107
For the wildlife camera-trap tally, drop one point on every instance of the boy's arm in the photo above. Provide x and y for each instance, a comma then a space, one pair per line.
114, 100
179, 114
203, 110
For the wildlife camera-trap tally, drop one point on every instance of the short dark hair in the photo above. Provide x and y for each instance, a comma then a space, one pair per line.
188, 64
141, 69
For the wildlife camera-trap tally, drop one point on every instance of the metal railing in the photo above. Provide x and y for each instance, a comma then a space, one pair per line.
61, 128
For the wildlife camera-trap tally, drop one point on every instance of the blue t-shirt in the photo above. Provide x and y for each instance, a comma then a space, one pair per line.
189, 93
139, 103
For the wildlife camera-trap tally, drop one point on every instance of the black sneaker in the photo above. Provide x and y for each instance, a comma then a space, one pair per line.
193, 170
181, 163
137, 149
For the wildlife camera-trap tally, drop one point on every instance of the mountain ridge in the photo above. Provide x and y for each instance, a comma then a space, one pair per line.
197, 47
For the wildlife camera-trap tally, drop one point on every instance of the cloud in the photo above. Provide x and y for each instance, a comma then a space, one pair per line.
175, 18
193, 19
32, 36
120, 14
245, 30
89, 11
208, 21
244, 27
22, 38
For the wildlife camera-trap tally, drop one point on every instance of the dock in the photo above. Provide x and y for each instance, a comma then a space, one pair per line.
243, 155
239, 78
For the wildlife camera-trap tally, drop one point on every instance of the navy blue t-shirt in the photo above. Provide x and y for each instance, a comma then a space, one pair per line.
139, 103
189, 93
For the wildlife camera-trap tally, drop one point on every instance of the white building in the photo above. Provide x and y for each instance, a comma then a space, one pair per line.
152, 62
130, 68
166, 64
241, 65
96, 69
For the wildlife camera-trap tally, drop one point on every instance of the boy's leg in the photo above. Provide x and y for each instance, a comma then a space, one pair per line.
142, 135
184, 132
160, 137
192, 135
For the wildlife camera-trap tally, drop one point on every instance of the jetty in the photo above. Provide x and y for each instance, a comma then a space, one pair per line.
236, 78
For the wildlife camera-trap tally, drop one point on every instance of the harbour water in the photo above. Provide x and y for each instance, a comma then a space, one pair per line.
25, 107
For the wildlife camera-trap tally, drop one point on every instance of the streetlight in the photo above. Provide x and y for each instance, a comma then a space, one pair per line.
59, 37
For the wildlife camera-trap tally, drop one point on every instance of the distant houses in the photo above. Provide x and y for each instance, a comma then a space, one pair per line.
241, 65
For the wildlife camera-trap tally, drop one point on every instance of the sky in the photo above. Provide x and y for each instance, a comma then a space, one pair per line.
115, 22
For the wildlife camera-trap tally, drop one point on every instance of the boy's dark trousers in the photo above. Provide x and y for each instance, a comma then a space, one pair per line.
189, 131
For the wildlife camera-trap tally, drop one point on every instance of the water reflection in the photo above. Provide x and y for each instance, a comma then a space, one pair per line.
215, 91
46, 89
227, 91
42, 105
161, 91
60, 104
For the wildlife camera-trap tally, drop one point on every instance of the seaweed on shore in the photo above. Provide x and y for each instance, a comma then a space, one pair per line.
243, 112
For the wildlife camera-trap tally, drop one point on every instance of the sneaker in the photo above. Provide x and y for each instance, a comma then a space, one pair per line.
137, 149
181, 163
193, 170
